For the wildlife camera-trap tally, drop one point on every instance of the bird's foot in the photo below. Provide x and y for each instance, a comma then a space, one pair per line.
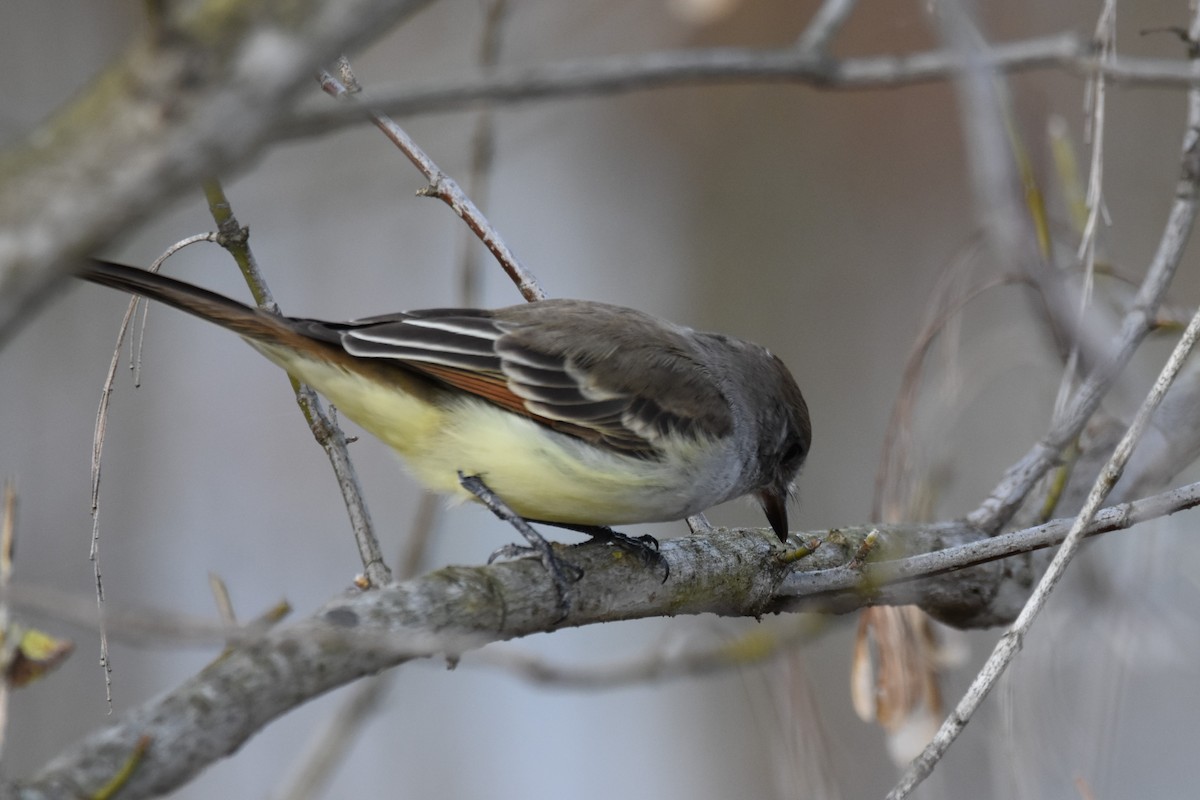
644, 548
562, 572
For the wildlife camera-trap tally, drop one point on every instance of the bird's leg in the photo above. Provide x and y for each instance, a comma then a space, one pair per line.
563, 573
644, 547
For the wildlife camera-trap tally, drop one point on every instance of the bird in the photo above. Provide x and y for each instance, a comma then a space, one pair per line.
573, 412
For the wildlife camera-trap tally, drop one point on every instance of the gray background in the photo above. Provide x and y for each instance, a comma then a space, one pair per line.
813, 222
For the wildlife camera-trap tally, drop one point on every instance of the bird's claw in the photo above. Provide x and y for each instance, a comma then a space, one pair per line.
645, 547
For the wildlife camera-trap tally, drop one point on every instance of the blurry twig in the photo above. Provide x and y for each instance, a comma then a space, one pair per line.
893, 475
330, 744
220, 592
8, 527
483, 149
416, 544
730, 65
752, 647
1111, 359
1105, 36
134, 625
825, 25
1010, 643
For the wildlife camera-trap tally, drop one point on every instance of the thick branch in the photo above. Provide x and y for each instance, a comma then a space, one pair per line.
196, 96
730, 572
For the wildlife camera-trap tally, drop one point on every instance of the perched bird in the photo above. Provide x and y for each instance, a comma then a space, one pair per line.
573, 412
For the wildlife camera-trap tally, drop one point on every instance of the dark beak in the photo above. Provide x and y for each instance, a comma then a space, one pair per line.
774, 505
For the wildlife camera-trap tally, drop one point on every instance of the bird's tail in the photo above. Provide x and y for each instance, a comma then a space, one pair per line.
251, 323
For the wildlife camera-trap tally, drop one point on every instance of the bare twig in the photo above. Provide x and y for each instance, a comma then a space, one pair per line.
825, 25
99, 434
139, 626
441, 185
1106, 36
330, 744
224, 603
325, 751
329, 435
35, 245
1094, 202
820, 580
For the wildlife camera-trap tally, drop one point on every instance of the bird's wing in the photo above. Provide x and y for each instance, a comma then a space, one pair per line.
592, 382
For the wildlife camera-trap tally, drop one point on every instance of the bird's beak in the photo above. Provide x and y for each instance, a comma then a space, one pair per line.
774, 505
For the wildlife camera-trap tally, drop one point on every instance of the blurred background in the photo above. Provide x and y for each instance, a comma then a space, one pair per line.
814, 222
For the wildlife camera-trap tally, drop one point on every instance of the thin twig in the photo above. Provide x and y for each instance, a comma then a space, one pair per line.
416, 544
441, 185
224, 603
825, 25
99, 433
330, 744
1096, 96
1106, 36
138, 625
328, 748
329, 435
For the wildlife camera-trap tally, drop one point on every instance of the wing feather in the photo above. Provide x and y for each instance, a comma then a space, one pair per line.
592, 383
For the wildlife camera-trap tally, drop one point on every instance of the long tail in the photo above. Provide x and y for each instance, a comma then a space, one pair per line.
249, 322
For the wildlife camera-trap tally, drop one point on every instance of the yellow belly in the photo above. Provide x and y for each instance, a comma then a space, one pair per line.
539, 473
